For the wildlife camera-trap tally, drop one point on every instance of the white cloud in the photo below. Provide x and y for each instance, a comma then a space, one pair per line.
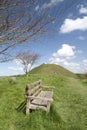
85, 62
37, 8
63, 57
81, 38
56, 1
79, 51
15, 68
51, 3
17, 61
83, 10
85, 65
70, 15
66, 52
56, 60
1, 72
70, 25
73, 66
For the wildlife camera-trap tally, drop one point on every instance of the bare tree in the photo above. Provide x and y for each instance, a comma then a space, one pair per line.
22, 20
27, 59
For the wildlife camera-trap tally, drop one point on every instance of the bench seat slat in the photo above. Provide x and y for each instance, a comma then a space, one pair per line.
32, 106
44, 95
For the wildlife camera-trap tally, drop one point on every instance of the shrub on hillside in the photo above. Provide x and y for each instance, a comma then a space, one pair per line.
86, 75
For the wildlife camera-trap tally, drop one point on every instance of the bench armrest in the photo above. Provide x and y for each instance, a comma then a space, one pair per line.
49, 87
42, 98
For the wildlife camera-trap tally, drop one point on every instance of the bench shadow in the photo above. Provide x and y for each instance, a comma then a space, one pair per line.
22, 107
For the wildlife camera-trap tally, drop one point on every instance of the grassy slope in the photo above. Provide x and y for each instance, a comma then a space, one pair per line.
68, 110
51, 69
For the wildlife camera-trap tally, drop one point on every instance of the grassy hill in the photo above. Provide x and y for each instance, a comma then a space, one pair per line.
52, 69
68, 110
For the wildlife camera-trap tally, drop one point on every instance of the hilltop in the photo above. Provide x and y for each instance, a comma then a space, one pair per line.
52, 69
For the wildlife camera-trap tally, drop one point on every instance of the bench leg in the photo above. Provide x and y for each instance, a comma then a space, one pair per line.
27, 106
48, 106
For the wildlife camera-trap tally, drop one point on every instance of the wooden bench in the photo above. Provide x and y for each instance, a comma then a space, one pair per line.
37, 98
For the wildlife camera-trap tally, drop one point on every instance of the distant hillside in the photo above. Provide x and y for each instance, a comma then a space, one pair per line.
82, 76
52, 69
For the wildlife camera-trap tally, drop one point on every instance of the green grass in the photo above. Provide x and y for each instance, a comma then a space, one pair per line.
68, 110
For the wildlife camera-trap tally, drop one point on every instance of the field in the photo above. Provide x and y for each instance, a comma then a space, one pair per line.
68, 110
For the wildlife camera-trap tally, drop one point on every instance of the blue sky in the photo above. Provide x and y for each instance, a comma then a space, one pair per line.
65, 44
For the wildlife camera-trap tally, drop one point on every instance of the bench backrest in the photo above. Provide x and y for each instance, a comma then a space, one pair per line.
33, 89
